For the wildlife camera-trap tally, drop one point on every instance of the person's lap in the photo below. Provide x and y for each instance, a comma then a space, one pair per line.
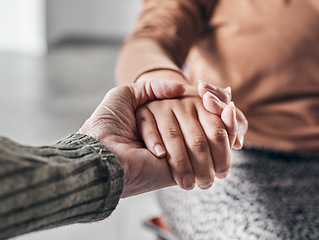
267, 195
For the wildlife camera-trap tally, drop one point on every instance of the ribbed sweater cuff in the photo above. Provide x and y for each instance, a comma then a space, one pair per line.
75, 180
110, 167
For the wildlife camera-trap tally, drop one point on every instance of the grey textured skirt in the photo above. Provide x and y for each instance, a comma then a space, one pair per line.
267, 195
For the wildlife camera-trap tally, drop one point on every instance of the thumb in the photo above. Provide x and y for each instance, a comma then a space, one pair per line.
152, 89
213, 104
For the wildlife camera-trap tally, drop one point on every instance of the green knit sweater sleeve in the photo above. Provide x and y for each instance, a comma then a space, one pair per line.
75, 180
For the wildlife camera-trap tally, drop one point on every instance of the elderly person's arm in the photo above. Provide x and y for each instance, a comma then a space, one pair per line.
75, 180
82, 177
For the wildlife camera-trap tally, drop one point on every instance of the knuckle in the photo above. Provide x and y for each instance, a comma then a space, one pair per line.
173, 132
178, 164
199, 143
219, 135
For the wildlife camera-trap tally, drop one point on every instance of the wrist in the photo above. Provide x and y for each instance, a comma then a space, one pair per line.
85, 131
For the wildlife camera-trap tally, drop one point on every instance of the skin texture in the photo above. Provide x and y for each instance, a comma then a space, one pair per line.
195, 142
113, 123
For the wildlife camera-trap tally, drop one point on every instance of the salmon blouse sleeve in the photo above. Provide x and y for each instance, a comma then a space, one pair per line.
162, 37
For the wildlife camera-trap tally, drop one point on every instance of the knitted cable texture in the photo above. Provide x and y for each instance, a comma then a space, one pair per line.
268, 195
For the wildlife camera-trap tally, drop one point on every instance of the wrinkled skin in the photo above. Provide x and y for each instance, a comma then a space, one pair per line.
113, 123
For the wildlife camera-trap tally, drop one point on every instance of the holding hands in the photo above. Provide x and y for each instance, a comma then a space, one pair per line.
195, 135
113, 123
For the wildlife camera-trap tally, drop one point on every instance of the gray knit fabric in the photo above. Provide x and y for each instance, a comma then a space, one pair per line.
75, 180
268, 195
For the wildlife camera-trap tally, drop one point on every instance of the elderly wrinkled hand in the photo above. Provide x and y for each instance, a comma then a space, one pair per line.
113, 123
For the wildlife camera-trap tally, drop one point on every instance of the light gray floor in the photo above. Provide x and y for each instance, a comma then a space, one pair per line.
43, 99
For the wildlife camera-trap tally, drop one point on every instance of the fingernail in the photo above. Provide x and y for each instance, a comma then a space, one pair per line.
228, 93
188, 181
207, 85
222, 94
205, 186
216, 99
159, 150
232, 105
228, 90
241, 139
222, 175
211, 95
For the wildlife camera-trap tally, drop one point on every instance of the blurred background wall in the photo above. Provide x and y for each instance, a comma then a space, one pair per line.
22, 26
94, 19
57, 60
30, 26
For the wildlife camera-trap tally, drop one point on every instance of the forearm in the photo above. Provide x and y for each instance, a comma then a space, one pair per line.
75, 180
160, 39
144, 58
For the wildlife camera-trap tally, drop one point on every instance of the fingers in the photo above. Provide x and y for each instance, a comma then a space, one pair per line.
228, 117
176, 156
197, 147
154, 89
212, 104
148, 130
227, 113
242, 129
223, 94
218, 141
214, 100
195, 140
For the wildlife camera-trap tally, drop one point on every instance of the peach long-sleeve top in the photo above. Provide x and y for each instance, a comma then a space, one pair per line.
267, 51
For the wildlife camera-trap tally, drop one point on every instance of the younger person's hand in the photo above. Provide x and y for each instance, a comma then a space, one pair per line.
217, 100
194, 141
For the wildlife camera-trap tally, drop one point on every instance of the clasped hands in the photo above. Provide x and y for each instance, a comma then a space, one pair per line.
166, 133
